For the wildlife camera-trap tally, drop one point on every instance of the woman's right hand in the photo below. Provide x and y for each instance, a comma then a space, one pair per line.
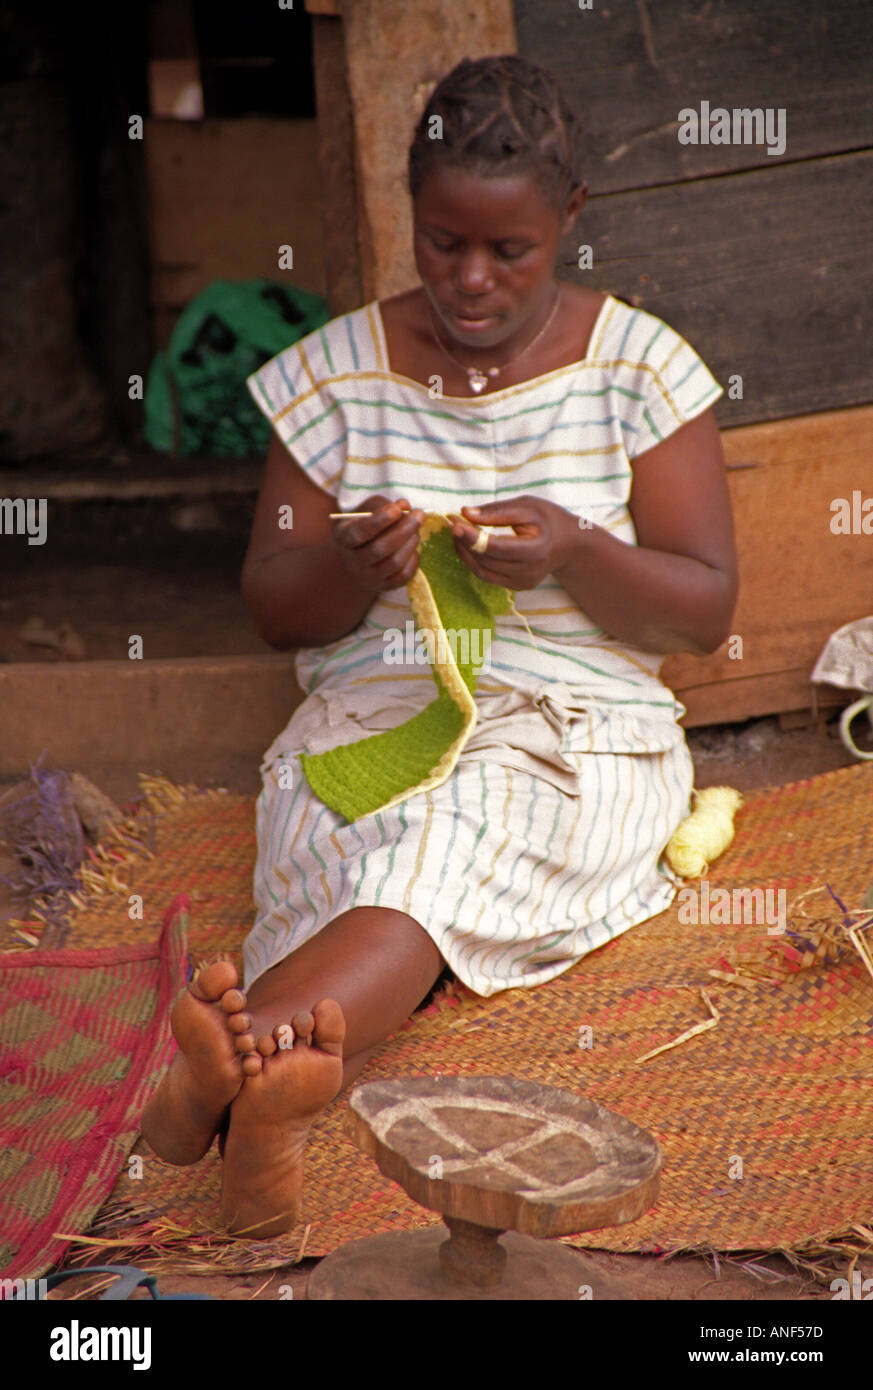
380, 551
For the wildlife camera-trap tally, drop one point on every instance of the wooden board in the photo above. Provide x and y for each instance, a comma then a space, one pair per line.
630, 68
758, 259
507, 1154
336, 159
223, 197
393, 52
799, 581
768, 276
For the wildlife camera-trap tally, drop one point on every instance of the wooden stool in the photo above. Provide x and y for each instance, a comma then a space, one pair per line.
493, 1155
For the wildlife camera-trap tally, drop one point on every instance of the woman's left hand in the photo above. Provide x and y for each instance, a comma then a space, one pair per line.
545, 537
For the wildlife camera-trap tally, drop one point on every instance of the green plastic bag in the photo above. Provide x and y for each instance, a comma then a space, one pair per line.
196, 399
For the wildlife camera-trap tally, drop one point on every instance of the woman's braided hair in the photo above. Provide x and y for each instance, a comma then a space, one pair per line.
498, 117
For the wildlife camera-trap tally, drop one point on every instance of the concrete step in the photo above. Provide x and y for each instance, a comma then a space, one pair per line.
160, 715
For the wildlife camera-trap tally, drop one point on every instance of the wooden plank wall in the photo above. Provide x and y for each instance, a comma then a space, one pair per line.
225, 192
224, 195
799, 579
761, 261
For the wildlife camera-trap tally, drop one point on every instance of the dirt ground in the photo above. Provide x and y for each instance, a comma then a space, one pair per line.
171, 573
685, 1279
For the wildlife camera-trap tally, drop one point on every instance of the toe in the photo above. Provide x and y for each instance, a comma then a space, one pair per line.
239, 1023
233, 1000
267, 1045
212, 981
330, 1027
283, 1035
303, 1024
244, 1043
252, 1064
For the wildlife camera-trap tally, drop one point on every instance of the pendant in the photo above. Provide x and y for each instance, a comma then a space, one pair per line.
479, 380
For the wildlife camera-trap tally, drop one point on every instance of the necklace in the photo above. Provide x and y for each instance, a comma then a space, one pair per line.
478, 379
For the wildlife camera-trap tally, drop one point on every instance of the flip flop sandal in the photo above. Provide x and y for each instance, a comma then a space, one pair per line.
129, 1278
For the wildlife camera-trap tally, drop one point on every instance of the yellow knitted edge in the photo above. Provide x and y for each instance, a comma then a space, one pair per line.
427, 615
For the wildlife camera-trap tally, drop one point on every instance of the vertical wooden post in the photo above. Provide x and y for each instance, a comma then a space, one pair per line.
336, 157
376, 63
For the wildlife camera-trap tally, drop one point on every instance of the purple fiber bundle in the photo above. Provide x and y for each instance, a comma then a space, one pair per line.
43, 829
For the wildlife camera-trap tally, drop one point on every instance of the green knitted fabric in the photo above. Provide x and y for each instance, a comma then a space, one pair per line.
382, 769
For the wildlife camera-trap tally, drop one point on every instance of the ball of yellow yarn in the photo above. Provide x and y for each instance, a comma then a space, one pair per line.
706, 833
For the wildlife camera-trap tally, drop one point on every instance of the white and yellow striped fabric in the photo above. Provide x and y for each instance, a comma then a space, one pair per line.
545, 841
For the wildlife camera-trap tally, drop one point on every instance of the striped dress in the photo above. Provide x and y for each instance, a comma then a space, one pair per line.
546, 840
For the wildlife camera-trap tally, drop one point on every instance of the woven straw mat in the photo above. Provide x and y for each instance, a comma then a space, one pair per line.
84, 1040
765, 1119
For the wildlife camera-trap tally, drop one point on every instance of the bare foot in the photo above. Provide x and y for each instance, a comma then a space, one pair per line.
216, 1053
270, 1119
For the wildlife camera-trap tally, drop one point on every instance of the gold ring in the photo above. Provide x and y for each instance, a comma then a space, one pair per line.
480, 544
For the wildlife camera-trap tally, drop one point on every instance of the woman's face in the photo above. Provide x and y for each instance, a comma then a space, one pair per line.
485, 249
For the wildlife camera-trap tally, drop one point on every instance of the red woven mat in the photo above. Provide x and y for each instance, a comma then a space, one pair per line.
84, 1037
765, 1118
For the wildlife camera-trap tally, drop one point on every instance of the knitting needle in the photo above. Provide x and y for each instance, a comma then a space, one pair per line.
337, 516
480, 545
341, 516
